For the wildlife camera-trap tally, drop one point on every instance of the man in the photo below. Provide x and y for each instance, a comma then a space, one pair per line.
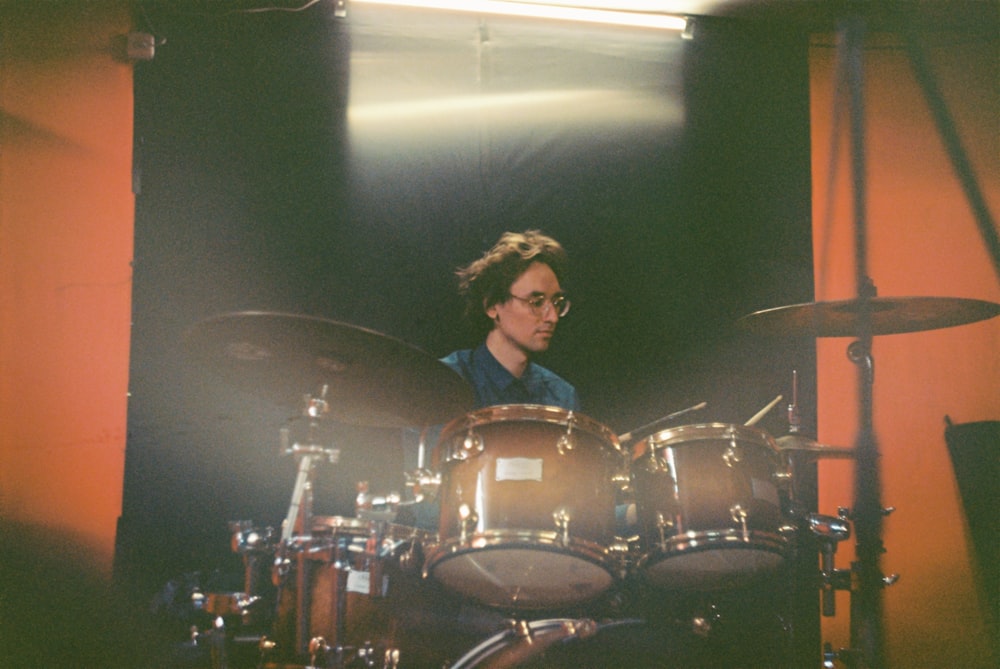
514, 298
514, 301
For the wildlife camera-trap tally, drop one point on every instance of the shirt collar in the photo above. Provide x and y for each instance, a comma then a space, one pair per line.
497, 374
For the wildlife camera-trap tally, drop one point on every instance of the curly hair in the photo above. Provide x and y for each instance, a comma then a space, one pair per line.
487, 280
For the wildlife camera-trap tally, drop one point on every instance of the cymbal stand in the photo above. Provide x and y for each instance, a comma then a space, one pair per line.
297, 526
422, 481
867, 635
866, 623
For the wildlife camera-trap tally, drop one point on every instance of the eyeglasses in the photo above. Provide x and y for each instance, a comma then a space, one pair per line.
539, 304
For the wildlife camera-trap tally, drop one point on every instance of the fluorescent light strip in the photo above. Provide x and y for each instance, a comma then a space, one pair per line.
395, 111
558, 12
647, 6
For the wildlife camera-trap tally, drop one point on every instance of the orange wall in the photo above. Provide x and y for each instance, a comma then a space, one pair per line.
923, 240
66, 215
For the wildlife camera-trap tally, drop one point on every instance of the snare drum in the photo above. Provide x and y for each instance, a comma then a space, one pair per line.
709, 505
527, 507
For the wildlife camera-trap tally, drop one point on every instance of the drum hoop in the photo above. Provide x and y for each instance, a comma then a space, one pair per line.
482, 653
540, 413
706, 431
730, 538
502, 639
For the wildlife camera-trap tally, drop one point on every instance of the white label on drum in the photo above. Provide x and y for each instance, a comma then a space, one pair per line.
358, 581
765, 490
519, 469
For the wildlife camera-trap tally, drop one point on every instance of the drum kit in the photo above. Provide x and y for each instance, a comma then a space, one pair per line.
555, 542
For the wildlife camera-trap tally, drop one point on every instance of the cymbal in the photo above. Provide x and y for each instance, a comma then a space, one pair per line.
889, 315
794, 443
371, 379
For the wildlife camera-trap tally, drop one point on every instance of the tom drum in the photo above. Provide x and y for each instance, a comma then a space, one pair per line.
709, 500
527, 507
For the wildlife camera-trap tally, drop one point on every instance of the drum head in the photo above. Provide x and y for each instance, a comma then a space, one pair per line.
696, 432
730, 566
526, 577
530, 413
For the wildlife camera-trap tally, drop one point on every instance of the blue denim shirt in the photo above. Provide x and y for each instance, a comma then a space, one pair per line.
493, 385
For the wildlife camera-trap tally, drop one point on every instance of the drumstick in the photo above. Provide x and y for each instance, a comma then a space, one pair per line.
628, 436
763, 412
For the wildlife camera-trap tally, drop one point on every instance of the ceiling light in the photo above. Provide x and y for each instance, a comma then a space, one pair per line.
637, 13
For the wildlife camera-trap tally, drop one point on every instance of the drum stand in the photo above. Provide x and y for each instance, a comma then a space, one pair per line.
297, 526
254, 543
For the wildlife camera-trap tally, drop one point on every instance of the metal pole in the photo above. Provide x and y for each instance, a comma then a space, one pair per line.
866, 620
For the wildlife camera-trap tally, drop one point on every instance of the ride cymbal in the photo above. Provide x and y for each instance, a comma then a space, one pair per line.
889, 315
369, 378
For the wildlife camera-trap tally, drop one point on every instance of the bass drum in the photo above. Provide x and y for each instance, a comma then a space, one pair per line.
565, 643
709, 500
527, 517
738, 630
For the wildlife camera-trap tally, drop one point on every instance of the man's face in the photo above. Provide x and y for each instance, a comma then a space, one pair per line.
527, 328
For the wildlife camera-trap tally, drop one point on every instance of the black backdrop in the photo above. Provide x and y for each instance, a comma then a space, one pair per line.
279, 167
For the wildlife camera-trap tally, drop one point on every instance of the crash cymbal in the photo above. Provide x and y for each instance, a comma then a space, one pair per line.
370, 379
794, 443
889, 315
